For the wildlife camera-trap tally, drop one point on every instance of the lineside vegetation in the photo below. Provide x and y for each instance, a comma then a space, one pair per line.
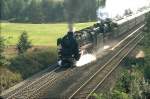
43, 37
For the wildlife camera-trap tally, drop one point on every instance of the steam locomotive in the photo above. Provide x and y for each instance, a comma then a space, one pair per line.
91, 38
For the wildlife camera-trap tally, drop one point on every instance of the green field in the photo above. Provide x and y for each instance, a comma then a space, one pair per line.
39, 34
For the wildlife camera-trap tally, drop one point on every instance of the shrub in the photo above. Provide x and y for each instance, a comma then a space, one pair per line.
146, 65
23, 44
98, 96
119, 95
30, 63
8, 78
147, 72
2, 57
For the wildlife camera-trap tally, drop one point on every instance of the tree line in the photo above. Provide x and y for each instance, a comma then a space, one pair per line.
43, 11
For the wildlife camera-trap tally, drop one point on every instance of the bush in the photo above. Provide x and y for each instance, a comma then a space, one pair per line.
2, 46
146, 64
98, 96
30, 63
23, 44
120, 95
8, 78
112, 95
147, 72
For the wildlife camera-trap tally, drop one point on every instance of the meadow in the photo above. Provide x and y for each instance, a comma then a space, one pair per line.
39, 57
39, 34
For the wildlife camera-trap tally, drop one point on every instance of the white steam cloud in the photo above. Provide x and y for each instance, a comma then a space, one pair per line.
85, 59
115, 8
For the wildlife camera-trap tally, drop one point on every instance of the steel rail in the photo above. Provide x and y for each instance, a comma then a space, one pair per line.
113, 68
85, 90
28, 86
100, 69
48, 83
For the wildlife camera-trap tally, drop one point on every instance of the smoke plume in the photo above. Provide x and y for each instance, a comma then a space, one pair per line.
71, 11
115, 8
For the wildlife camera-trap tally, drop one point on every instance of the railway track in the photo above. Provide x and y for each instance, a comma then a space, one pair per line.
28, 81
85, 91
31, 90
34, 89
76, 78
50, 83
24, 92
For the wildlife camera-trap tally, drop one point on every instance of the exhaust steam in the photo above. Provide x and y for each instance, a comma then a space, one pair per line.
85, 59
117, 8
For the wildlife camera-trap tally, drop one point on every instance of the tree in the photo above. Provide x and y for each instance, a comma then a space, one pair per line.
146, 41
47, 9
101, 3
23, 44
58, 12
35, 13
147, 71
148, 22
80, 10
5, 11
38, 11
20, 9
2, 57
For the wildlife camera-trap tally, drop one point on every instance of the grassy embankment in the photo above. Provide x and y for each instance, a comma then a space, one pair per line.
44, 36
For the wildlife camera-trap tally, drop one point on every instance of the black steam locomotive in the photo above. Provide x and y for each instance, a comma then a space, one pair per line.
91, 38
